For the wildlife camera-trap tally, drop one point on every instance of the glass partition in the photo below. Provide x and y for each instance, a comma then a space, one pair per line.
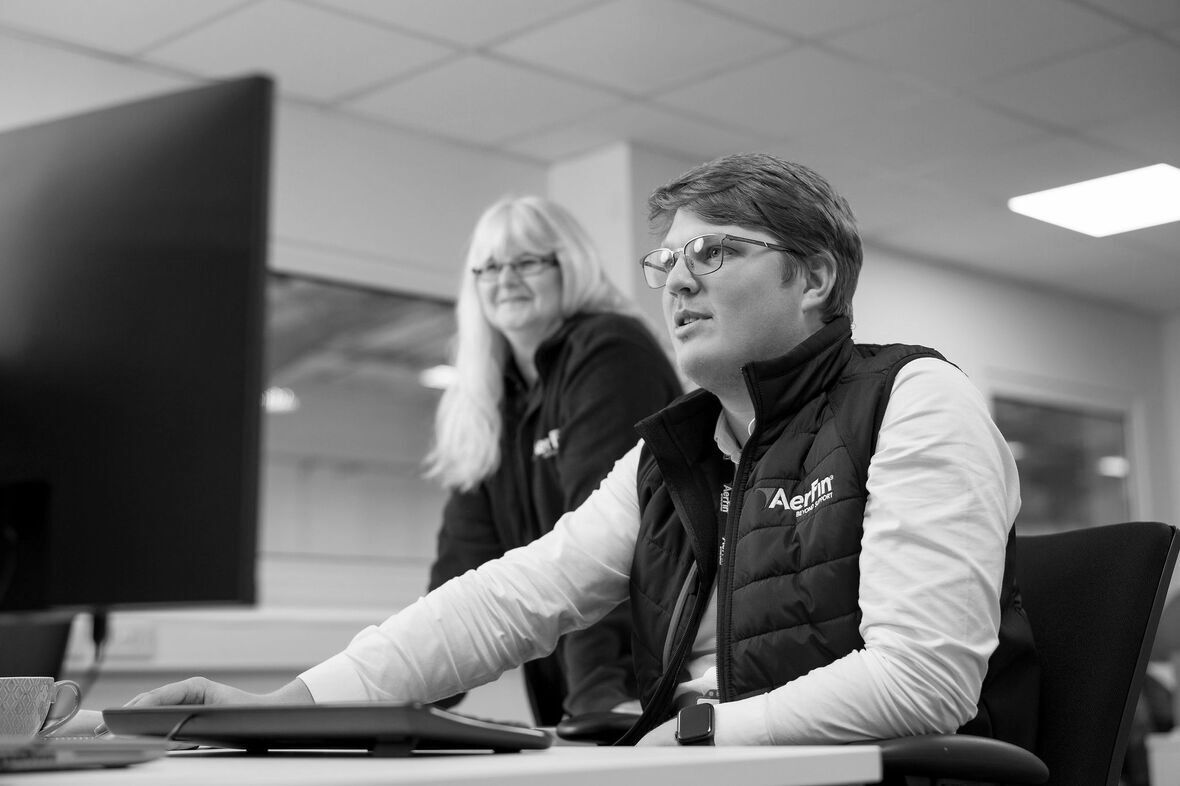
1073, 464
347, 519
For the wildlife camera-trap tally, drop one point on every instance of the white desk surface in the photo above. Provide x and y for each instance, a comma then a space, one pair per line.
568, 766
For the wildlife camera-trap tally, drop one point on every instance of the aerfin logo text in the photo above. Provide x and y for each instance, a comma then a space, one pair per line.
802, 504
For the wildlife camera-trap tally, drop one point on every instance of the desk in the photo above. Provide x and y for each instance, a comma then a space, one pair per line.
570, 766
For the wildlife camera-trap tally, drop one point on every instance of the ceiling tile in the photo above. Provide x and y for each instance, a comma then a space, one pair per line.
368, 170
1151, 14
795, 94
1111, 268
814, 18
1163, 239
951, 229
1155, 135
844, 170
637, 46
993, 241
635, 122
67, 83
122, 26
880, 199
916, 138
1025, 167
934, 222
958, 42
927, 169
312, 53
481, 100
1140, 75
464, 22
1146, 282
1119, 269
884, 203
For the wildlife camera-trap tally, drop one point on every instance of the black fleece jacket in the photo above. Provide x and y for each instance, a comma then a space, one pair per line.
597, 376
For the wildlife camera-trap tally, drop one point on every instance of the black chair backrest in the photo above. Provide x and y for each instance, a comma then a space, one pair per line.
1094, 598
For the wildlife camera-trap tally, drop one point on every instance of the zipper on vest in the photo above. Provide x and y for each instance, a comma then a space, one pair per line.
725, 580
686, 591
724, 569
662, 696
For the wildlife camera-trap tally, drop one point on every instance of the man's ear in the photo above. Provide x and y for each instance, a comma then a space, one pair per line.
819, 278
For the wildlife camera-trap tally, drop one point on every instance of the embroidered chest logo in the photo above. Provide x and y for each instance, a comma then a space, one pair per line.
802, 504
546, 446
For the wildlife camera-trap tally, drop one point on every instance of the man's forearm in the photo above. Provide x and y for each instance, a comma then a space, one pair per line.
294, 692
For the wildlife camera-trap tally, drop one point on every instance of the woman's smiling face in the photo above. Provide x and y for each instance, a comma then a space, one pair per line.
522, 306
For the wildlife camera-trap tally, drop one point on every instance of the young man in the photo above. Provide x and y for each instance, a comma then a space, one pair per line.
815, 543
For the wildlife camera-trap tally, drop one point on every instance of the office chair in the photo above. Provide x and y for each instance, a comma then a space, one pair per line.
1094, 598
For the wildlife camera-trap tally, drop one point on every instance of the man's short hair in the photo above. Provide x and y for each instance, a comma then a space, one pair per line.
763, 192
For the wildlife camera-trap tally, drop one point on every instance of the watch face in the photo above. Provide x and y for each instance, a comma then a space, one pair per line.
695, 723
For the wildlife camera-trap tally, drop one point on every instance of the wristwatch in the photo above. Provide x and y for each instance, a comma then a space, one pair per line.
694, 725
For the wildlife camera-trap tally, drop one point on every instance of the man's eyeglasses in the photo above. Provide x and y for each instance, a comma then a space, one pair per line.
703, 255
527, 265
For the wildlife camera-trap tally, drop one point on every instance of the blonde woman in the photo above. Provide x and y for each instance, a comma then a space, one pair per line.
554, 368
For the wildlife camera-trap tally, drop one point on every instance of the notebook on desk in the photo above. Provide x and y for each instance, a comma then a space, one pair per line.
382, 728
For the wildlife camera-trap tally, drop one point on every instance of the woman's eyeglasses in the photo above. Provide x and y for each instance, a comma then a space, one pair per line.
703, 255
527, 265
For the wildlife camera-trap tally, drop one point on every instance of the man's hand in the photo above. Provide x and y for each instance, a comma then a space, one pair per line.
198, 690
664, 734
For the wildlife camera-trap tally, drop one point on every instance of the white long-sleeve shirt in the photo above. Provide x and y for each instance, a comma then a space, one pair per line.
943, 493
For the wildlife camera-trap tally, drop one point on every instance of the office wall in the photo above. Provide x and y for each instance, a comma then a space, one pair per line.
1170, 432
607, 189
1034, 344
1171, 369
360, 201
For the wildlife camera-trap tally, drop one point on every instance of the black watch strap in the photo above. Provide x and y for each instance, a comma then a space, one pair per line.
694, 725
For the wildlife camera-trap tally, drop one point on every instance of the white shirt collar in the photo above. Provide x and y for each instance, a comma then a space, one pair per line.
726, 442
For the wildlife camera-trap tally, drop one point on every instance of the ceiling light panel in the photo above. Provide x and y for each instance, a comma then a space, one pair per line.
1108, 205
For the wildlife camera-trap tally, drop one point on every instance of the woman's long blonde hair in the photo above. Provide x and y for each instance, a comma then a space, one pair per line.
467, 424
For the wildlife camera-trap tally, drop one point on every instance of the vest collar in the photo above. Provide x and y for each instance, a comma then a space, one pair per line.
780, 386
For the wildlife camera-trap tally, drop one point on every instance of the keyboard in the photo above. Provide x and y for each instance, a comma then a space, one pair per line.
385, 729
26, 754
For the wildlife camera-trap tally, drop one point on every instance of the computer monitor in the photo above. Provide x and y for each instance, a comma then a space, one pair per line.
132, 271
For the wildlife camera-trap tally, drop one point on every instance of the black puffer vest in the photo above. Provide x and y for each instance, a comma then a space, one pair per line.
784, 543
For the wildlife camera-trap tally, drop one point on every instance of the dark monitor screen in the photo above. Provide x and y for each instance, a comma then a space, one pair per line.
132, 271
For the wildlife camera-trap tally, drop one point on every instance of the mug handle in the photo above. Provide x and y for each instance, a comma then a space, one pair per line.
56, 720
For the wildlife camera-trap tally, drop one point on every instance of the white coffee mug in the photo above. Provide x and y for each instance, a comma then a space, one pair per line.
36, 705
